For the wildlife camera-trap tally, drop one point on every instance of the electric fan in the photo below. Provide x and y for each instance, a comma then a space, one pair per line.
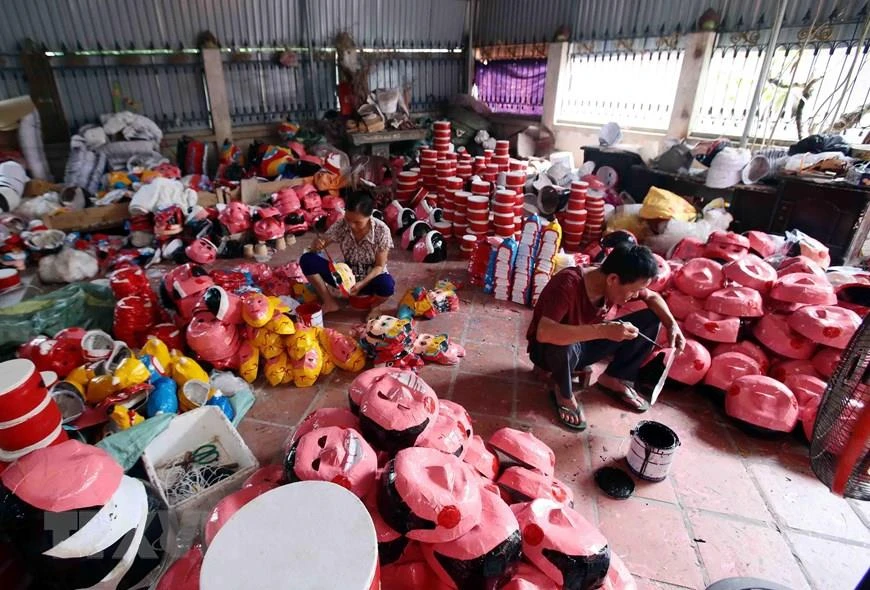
840, 449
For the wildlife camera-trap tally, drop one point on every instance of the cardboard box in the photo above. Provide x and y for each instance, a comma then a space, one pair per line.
90, 219
110, 216
249, 191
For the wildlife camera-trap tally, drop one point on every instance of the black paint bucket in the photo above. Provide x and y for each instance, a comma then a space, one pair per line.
653, 446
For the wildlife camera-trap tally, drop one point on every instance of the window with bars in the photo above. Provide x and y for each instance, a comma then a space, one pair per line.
633, 88
818, 87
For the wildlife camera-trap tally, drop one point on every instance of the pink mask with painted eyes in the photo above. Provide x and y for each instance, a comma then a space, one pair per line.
762, 401
397, 410
563, 544
446, 435
334, 454
323, 418
256, 309
364, 382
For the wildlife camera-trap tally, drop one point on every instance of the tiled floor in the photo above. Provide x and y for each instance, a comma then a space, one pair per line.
733, 505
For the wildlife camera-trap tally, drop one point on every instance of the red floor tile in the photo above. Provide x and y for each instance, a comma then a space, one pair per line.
332, 396
484, 425
605, 415
535, 406
717, 482
483, 358
285, 406
652, 540
802, 502
265, 440
831, 564
484, 394
439, 378
453, 324
733, 548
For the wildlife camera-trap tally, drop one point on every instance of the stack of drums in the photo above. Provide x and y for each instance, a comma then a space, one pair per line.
479, 165
451, 186
442, 137
29, 417
515, 180
428, 160
445, 168
594, 219
490, 174
481, 188
466, 246
460, 212
575, 216
487, 156
407, 184
477, 213
465, 166
503, 213
517, 165
502, 155
133, 319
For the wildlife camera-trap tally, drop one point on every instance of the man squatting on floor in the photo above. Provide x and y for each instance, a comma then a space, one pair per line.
571, 328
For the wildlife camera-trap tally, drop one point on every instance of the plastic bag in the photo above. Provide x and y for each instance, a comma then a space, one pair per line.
85, 305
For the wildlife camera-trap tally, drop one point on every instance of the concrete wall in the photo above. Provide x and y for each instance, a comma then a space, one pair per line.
572, 138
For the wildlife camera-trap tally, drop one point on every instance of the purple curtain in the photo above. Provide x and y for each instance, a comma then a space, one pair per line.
515, 86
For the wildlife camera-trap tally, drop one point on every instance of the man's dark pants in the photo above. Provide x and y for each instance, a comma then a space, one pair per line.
563, 361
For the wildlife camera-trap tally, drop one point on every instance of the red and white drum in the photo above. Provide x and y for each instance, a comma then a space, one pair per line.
309, 534
21, 389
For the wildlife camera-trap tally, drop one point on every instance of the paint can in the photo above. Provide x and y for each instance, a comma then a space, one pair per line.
310, 315
653, 446
308, 534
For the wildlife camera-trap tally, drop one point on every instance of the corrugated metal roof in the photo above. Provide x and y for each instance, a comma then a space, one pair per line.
524, 21
145, 24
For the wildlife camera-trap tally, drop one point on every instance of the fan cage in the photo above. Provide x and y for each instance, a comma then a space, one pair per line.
845, 398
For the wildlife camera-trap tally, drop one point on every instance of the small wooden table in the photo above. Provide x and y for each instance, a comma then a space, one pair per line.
380, 140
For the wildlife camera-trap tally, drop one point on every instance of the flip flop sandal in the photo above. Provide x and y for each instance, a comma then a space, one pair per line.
576, 413
630, 397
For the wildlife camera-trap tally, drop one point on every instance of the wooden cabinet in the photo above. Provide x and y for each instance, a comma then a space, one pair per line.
833, 214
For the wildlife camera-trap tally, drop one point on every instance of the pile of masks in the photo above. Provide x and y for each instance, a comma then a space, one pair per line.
395, 342
416, 227
166, 214
766, 322
102, 385
74, 520
234, 326
450, 510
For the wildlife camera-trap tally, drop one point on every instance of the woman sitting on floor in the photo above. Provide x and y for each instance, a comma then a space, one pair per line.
365, 244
